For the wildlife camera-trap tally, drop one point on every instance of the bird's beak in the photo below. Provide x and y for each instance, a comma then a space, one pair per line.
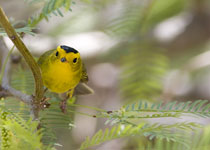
63, 59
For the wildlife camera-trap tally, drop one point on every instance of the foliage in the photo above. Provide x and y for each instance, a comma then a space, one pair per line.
136, 16
142, 73
143, 63
130, 117
25, 29
23, 80
18, 134
132, 113
51, 119
115, 132
199, 107
160, 10
197, 140
151, 131
127, 23
49, 6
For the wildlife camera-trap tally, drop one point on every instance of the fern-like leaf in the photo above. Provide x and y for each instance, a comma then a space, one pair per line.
23, 80
142, 73
134, 112
199, 107
135, 16
109, 134
22, 134
199, 140
25, 29
50, 6
150, 131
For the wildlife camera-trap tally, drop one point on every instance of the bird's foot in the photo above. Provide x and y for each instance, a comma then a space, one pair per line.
63, 105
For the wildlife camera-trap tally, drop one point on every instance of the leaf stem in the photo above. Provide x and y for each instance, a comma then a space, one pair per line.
89, 107
5, 62
81, 113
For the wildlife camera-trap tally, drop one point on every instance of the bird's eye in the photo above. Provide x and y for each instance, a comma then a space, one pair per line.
74, 60
56, 54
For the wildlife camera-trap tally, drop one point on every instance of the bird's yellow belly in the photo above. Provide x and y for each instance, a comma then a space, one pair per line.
60, 78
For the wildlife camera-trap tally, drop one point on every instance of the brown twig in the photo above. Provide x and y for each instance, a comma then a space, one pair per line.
39, 91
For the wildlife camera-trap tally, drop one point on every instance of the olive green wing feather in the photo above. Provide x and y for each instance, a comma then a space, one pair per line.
84, 77
82, 88
43, 58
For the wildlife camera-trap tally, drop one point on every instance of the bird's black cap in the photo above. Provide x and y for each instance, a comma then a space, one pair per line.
68, 49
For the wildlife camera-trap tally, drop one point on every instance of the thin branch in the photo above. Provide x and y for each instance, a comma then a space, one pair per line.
26, 54
6, 89
4, 61
39, 91
4, 93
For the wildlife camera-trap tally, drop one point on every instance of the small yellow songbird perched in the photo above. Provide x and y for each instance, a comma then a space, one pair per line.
62, 70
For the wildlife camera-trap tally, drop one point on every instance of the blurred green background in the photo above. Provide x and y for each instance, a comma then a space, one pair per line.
133, 50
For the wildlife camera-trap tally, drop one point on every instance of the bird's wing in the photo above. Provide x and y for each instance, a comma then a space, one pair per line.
82, 88
84, 77
44, 56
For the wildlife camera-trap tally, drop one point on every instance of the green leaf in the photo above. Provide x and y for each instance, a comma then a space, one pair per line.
49, 7
193, 105
151, 131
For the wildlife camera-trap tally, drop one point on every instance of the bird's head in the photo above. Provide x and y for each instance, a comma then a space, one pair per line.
67, 54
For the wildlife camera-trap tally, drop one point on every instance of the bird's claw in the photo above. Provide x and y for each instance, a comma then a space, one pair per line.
63, 106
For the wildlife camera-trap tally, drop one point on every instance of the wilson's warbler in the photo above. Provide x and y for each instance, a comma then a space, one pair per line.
62, 70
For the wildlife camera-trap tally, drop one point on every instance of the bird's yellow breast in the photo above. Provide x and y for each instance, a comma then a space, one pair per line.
60, 77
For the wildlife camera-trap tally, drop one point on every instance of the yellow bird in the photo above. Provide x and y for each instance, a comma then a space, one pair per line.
63, 71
